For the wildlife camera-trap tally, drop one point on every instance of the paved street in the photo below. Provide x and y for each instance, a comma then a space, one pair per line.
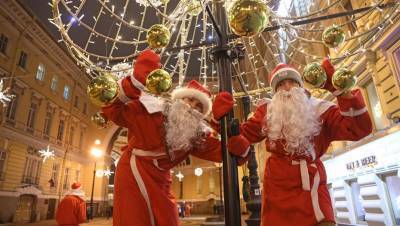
192, 221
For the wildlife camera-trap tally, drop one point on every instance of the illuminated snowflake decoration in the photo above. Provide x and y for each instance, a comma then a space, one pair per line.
4, 97
107, 173
46, 153
180, 176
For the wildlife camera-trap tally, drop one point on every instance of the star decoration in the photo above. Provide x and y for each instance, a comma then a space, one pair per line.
46, 153
107, 172
4, 97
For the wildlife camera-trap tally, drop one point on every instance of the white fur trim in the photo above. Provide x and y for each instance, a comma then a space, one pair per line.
77, 192
142, 187
122, 96
279, 76
352, 112
263, 101
305, 182
320, 105
194, 93
136, 83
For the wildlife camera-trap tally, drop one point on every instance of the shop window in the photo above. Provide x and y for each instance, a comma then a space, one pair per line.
393, 187
357, 200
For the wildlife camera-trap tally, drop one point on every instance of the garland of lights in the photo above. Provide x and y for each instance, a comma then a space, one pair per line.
180, 23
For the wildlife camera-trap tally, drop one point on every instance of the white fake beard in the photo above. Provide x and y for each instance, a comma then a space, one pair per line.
291, 117
183, 126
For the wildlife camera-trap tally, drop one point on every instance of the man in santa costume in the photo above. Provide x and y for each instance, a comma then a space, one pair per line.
297, 130
161, 134
72, 209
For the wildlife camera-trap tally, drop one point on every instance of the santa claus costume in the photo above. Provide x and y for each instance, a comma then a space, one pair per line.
161, 134
72, 209
298, 130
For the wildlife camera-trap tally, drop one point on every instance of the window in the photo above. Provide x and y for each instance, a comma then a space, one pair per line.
76, 102
393, 187
12, 108
71, 135
3, 155
66, 179
3, 43
77, 175
376, 108
66, 92
40, 72
31, 118
47, 124
84, 108
33, 166
54, 174
22, 60
359, 209
81, 135
60, 132
53, 85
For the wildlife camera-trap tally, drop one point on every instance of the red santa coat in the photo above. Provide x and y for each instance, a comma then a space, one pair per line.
71, 211
143, 180
294, 189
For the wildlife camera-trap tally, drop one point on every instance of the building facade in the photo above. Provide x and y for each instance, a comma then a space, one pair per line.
49, 109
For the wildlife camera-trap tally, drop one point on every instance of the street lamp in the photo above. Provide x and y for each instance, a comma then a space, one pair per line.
97, 153
180, 177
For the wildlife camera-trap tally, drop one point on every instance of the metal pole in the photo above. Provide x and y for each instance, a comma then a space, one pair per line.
91, 196
221, 59
254, 204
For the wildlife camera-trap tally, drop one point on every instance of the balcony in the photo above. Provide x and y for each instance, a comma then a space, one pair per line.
30, 180
23, 129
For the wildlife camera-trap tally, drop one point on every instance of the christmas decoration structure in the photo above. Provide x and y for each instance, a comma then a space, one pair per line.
158, 36
333, 36
248, 17
194, 7
99, 120
158, 81
4, 97
103, 90
107, 172
314, 75
46, 153
344, 79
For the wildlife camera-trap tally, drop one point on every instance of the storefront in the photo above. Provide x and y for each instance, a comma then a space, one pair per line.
365, 182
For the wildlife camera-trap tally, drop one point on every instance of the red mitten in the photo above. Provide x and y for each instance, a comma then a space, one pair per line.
329, 70
223, 104
146, 62
128, 91
238, 145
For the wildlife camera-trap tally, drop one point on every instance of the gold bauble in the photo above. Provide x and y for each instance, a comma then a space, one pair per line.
158, 81
103, 90
99, 120
158, 36
343, 79
333, 36
193, 7
248, 17
314, 75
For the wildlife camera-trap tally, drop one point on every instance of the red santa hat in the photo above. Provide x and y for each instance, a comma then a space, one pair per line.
195, 90
146, 62
76, 189
76, 186
282, 72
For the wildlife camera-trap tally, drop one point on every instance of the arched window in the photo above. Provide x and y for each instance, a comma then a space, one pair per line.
40, 72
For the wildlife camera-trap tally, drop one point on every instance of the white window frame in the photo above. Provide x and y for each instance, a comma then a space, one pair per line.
40, 73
